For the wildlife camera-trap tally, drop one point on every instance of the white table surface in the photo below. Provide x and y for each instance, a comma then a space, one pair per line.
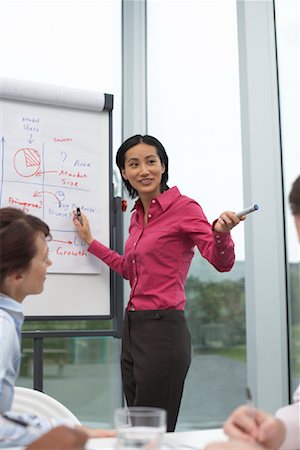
194, 439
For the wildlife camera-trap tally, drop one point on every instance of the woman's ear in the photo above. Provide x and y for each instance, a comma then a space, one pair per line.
19, 276
163, 168
13, 277
123, 174
10, 285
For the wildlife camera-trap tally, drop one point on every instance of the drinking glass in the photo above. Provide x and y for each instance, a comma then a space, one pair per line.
139, 427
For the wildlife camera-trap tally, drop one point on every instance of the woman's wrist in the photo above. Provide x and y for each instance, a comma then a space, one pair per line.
89, 240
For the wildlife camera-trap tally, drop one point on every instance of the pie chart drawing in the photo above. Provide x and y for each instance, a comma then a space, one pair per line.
27, 162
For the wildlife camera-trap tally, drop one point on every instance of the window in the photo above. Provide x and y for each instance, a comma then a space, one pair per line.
287, 32
193, 108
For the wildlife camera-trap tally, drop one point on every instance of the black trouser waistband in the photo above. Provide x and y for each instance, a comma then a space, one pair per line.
165, 315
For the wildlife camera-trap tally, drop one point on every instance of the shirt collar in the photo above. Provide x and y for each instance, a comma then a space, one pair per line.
14, 309
165, 199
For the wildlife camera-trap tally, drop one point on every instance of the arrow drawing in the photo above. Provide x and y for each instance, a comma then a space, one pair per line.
41, 193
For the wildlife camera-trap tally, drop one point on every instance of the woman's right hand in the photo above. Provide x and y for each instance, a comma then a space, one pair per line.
84, 229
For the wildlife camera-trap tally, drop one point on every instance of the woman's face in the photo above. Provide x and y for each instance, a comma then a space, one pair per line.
143, 169
34, 277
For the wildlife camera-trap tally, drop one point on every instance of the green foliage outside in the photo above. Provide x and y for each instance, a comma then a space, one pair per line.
62, 350
216, 317
216, 313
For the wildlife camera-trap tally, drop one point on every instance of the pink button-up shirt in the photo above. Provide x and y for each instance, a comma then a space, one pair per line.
157, 256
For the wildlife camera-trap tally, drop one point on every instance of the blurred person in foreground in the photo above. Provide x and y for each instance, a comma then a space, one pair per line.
61, 438
248, 431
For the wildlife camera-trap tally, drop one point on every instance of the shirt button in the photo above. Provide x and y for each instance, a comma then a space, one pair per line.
134, 243
218, 241
133, 261
222, 252
149, 215
217, 236
153, 201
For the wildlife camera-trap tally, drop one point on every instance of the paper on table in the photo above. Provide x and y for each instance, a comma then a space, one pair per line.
195, 439
99, 443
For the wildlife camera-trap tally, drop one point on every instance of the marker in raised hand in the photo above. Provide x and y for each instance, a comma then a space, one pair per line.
79, 217
250, 402
247, 211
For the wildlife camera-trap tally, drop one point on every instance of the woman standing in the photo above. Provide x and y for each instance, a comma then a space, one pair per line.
165, 227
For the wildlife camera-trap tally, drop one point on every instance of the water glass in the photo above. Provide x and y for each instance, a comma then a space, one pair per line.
139, 427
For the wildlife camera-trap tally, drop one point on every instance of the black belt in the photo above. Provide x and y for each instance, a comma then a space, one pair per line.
165, 315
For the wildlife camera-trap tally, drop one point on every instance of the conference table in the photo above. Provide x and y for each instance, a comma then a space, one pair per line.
181, 440
187, 440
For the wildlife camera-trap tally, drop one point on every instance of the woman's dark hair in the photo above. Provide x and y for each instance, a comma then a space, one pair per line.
294, 197
161, 152
18, 233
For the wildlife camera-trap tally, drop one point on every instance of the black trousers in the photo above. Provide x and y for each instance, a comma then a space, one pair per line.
156, 355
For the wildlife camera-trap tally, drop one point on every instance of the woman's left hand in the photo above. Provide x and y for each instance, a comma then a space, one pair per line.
226, 221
